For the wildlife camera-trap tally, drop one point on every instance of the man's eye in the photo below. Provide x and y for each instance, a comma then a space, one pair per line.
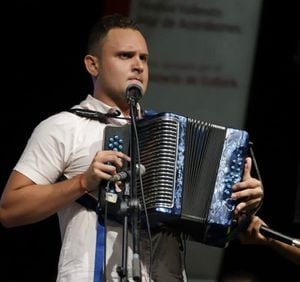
144, 58
124, 56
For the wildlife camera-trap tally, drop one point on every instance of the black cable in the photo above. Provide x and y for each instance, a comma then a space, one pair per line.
184, 246
143, 198
142, 193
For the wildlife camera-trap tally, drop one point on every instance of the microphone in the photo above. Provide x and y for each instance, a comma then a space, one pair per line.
268, 232
133, 92
125, 175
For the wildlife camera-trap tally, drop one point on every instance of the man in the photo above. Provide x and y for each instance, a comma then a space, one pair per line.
69, 145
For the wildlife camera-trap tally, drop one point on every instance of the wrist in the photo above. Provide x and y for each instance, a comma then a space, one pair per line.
82, 183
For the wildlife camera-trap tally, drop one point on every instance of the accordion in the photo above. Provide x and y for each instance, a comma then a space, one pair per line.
191, 166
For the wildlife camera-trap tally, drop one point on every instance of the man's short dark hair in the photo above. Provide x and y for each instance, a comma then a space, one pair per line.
104, 25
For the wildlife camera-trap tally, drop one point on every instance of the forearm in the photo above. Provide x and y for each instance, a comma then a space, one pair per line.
288, 251
32, 203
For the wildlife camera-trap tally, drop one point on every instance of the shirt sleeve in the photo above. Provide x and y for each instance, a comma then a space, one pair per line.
47, 151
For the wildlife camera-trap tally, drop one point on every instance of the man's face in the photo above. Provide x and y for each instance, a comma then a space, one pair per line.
123, 61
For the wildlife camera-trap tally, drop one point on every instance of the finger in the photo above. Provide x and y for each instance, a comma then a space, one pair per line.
113, 158
121, 155
104, 156
249, 183
118, 186
103, 174
247, 192
244, 206
247, 168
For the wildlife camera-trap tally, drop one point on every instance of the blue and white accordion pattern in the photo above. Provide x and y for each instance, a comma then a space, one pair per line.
191, 167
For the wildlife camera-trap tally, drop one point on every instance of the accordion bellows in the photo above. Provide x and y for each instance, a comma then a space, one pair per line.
191, 166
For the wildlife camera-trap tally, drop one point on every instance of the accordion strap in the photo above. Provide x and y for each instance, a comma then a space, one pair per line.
86, 200
258, 176
89, 202
94, 115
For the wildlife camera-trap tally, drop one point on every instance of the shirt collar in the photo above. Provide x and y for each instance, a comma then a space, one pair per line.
94, 104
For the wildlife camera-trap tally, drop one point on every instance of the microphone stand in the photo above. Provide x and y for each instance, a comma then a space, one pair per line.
271, 233
130, 200
122, 270
136, 268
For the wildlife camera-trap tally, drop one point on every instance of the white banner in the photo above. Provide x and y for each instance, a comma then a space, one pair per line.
201, 56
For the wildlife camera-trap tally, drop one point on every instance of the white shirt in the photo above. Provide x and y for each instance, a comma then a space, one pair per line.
66, 144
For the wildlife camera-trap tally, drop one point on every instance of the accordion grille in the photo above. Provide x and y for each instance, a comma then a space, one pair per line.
158, 144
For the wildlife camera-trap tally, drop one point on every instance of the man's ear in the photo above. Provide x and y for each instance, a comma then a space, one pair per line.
91, 64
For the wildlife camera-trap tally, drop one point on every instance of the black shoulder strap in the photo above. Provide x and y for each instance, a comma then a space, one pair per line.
94, 115
86, 200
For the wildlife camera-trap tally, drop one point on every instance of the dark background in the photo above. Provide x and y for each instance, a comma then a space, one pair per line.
43, 73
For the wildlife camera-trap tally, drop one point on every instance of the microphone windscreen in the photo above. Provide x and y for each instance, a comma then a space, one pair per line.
134, 92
